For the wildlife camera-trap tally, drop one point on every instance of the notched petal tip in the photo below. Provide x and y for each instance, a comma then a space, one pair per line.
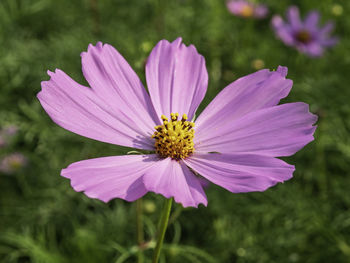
241, 173
65, 173
99, 46
45, 83
305, 108
178, 42
51, 73
174, 180
177, 198
282, 70
168, 67
107, 178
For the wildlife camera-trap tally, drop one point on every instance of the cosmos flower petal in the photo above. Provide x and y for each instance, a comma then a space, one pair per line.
240, 172
314, 49
171, 178
325, 38
275, 131
114, 81
259, 90
79, 110
312, 19
176, 78
329, 42
283, 30
293, 17
327, 28
110, 177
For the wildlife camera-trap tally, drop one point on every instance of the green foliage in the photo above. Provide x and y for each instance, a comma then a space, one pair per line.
42, 219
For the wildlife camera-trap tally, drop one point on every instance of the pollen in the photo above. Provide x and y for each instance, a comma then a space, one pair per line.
174, 138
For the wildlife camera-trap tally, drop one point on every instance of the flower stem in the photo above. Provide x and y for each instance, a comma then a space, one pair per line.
139, 222
163, 223
95, 16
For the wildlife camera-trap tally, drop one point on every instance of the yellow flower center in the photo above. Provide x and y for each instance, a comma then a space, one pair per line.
174, 138
247, 11
15, 164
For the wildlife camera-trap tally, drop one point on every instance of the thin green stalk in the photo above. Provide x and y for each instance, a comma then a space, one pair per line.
140, 235
163, 223
95, 16
159, 20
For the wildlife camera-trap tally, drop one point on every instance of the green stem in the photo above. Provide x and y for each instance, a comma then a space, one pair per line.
140, 236
163, 223
95, 16
160, 18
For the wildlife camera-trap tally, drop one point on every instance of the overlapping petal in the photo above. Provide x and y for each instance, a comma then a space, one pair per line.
79, 109
114, 81
275, 131
250, 93
173, 179
241, 172
176, 78
111, 177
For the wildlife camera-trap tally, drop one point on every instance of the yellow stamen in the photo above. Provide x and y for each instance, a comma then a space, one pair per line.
174, 138
247, 11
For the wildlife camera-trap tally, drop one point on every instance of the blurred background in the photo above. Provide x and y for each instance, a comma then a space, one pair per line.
42, 219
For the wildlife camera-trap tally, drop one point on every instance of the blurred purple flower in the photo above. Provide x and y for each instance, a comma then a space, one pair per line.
10, 130
238, 136
245, 8
2, 141
306, 36
12, 163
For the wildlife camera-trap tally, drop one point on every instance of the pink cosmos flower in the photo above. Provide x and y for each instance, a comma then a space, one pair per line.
12, 163
10, 130
245, 8
306, 36
236, 140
